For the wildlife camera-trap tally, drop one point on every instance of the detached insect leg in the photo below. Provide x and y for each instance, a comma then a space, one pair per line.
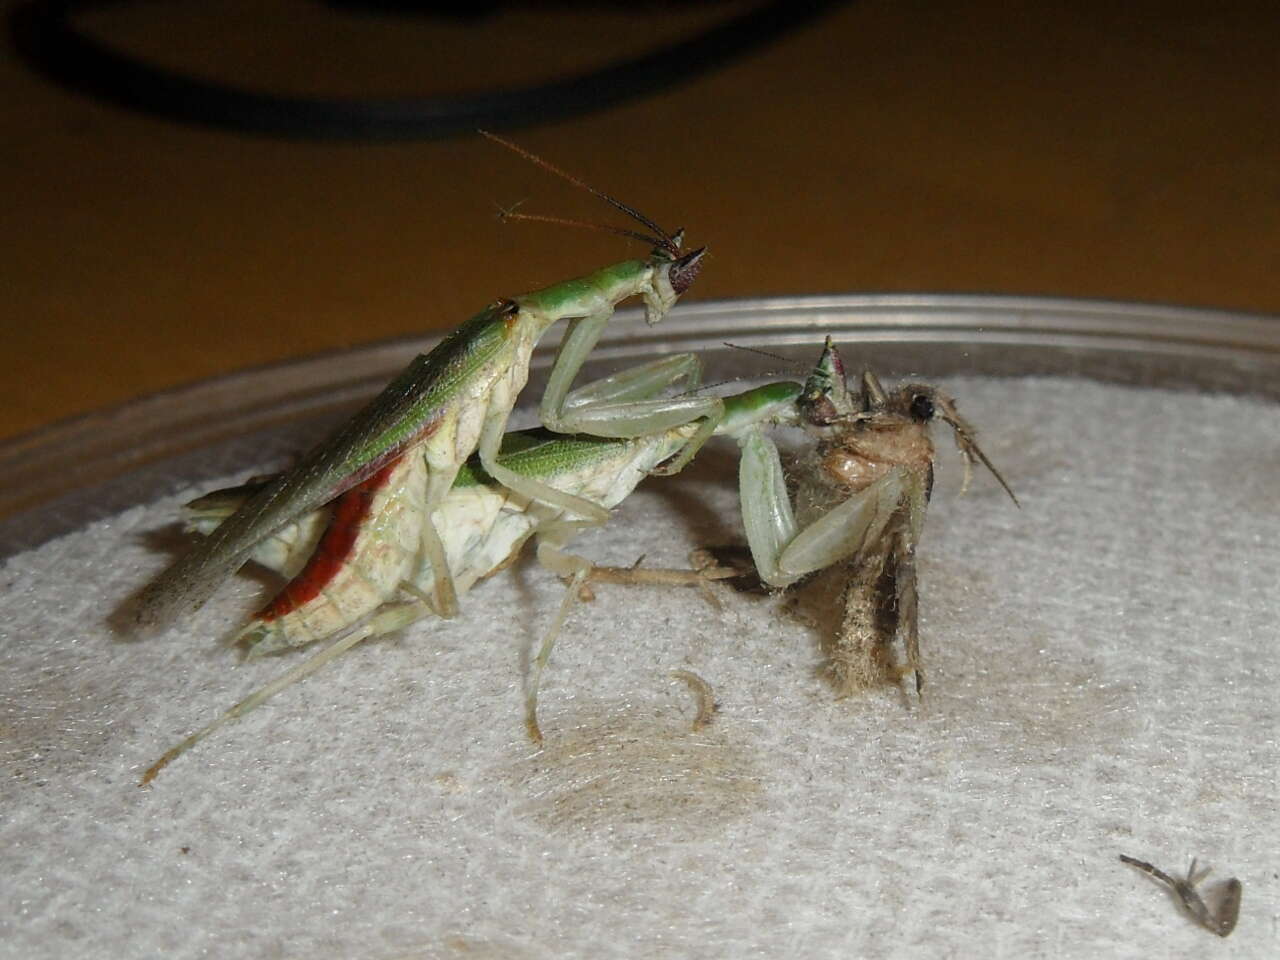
1221, 923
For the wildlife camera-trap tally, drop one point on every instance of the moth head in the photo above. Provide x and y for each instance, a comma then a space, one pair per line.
923, 403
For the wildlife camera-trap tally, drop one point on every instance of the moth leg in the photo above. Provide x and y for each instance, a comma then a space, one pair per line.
908, 617
858, 652
1221, 923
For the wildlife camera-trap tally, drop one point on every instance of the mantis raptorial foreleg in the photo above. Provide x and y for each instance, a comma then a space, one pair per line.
784, 552
371, 534
623, 405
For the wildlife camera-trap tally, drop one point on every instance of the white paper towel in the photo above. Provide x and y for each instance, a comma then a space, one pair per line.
1102, 681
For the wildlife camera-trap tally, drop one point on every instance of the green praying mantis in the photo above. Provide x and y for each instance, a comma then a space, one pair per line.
378, 584
456, 400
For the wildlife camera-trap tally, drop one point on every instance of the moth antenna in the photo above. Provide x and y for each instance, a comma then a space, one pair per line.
668, 242
968, 471
975, 451
507, 215
968, 445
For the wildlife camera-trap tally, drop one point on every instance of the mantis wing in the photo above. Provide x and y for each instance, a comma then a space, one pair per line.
421, 400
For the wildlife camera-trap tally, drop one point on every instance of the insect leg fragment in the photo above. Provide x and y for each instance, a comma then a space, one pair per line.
1223, 921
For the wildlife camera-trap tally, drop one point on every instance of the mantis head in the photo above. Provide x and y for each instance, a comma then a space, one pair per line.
673, 273
673, 270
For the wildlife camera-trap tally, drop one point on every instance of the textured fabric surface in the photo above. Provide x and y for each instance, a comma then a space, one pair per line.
1102, 681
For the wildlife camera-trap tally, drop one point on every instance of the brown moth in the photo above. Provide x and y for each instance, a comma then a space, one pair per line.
857, 503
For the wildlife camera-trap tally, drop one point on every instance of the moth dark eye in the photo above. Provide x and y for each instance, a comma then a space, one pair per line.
922, 407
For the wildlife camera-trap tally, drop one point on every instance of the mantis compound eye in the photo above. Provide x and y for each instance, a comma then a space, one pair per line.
685, 270
922, 407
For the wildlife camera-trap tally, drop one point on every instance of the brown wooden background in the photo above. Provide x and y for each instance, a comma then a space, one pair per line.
1118, 150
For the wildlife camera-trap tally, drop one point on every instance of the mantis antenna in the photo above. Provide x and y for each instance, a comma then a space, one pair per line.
667, 240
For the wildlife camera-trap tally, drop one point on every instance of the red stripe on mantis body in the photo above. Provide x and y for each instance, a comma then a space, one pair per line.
350, 511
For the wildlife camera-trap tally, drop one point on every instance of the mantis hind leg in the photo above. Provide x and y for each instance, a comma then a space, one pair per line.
387, 620
577, 570
445, 599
